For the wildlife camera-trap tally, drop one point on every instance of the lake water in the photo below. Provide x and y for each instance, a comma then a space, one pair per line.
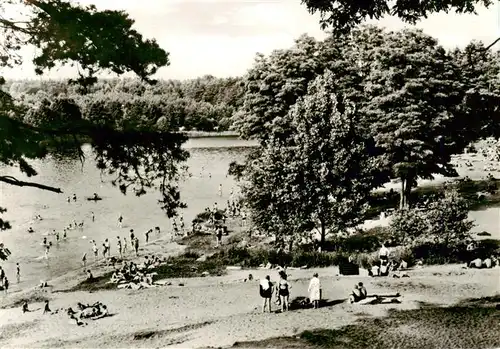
208, 156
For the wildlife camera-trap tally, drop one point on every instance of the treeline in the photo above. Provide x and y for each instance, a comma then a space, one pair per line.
202, 104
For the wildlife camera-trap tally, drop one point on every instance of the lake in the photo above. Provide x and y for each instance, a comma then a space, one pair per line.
208, 164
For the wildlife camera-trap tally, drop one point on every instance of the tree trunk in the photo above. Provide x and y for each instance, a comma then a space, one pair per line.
407, 191
402, 194
290, 245
323, 235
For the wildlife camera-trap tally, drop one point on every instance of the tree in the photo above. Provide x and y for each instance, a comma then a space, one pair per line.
95, 41
344, 15
311, 179
412, 99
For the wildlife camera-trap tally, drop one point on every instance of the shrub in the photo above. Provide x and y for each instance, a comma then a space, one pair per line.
443, 222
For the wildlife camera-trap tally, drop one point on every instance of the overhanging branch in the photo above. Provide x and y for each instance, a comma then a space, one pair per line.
492, 44
14, 181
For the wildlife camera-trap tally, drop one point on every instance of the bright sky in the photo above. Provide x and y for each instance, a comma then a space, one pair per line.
221, 37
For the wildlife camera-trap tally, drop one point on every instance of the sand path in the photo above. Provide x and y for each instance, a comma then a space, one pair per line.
218, 311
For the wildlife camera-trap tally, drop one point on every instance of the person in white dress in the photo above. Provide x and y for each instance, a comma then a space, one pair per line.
315, 290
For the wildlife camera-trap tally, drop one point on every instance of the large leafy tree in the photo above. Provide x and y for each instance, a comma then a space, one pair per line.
413, 94
319, 176
344, 15
420, 103
95, 41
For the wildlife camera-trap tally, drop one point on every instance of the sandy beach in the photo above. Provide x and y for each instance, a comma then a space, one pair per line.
219, 311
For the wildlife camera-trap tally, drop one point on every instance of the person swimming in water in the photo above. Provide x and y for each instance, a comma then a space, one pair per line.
74, 197
30, 230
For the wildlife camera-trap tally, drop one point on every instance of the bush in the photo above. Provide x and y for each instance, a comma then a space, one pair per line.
443, 222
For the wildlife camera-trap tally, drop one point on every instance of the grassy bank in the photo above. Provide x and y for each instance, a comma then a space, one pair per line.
472, 324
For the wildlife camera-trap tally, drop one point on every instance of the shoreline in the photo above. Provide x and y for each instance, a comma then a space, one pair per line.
210, 134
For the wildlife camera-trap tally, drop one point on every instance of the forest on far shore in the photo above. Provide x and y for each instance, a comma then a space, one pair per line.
202, 104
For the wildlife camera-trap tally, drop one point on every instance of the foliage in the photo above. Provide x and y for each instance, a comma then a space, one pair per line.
443, 222
202, 104
344, 15
420, 103
312, 179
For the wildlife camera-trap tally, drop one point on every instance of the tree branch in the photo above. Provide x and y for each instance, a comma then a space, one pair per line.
492, 44
14, 181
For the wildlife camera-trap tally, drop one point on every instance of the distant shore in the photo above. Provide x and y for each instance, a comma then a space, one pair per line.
205, 134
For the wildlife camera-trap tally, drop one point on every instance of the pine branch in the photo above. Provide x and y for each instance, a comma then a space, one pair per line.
14, 181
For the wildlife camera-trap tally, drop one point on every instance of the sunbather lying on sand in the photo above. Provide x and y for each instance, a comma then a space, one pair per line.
486, 263
359, 295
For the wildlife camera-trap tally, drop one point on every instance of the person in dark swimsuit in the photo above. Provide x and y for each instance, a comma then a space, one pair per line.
283, 291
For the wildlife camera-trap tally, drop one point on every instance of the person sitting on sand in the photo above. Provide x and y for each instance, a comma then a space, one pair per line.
46, 309
476, 263
25, 307
358, 293
30, 230
315, 291
157, 230
266, 292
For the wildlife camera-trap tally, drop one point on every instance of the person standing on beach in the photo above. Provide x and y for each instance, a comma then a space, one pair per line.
136, 246
74, 197
95, 249
119, 244
47, 249
283, 291
84, 260
5, 284
220, 190
107, 245
147, 235
93, 216
125, 244
266, 292
120, 221
132, 236
315, 291
18, 273
2, 276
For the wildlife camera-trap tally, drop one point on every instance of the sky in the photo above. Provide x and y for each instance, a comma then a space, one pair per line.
221, 37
